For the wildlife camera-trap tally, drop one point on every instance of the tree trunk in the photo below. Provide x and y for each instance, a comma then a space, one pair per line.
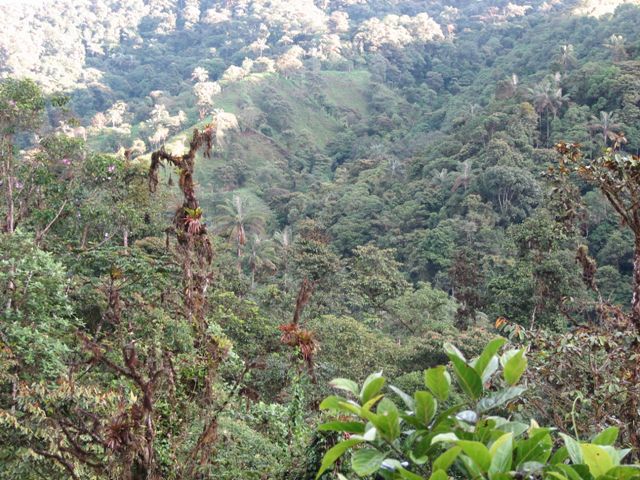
635, 300
7, 174
304, 295
83, 240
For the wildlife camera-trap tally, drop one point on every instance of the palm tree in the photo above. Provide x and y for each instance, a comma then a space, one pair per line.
605, 124
284, 241
566, 57
547, 97
440, 177
261, 257
464, 176
616, 45
508, 87
236, 219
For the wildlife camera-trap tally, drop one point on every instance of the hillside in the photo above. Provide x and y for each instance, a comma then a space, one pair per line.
211, 209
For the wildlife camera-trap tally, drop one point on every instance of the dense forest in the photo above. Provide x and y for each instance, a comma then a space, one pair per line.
320, 239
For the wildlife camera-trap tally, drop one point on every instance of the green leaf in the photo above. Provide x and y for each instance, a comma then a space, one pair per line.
501, 454
444, 437
366, 461
451, 349
438, 380
444, 461
488, 353
467, 378
537, 448
559, 456
407, 475
408, 401
333, 402
372, 385
596, 458
345, 384
573, 448
388, 419
499, 398
477, 452
425, 406
439, 475
517, 428
514, 366
606, 437
334, 454
569, 471
626, 472
404, 473
350, 427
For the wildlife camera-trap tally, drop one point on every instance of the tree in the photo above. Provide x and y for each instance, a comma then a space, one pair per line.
466, 279
566, 57
617, 176
605, 124
616, 44
376, 276
22, 105
284, 242
547, 98
238, 218
261, 257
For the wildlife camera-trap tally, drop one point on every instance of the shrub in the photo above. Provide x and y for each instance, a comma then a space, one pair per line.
419, 440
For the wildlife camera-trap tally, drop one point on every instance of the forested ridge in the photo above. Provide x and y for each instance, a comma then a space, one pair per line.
219, 220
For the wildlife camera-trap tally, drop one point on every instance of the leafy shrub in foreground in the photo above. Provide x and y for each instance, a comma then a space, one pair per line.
420, 441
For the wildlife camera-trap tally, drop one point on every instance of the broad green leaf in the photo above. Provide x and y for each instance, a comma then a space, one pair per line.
444, 461
366, 461
406, 398
606, 437
438, 380
625, 472
573, 448
487, 355
467, 378
477, 452
499, 398
334, 454
332, 402
350, 427
425, 406
501, 454
371, 386
569, 471
444, 437
371, 402
596, 458
473, 471
537, 448
389, 419
446, 415
514, 367
557, 475
345, 384
404, 473
517, 428
451, 349
351, 407
407, 475
559, 456
439, 475
369, 435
